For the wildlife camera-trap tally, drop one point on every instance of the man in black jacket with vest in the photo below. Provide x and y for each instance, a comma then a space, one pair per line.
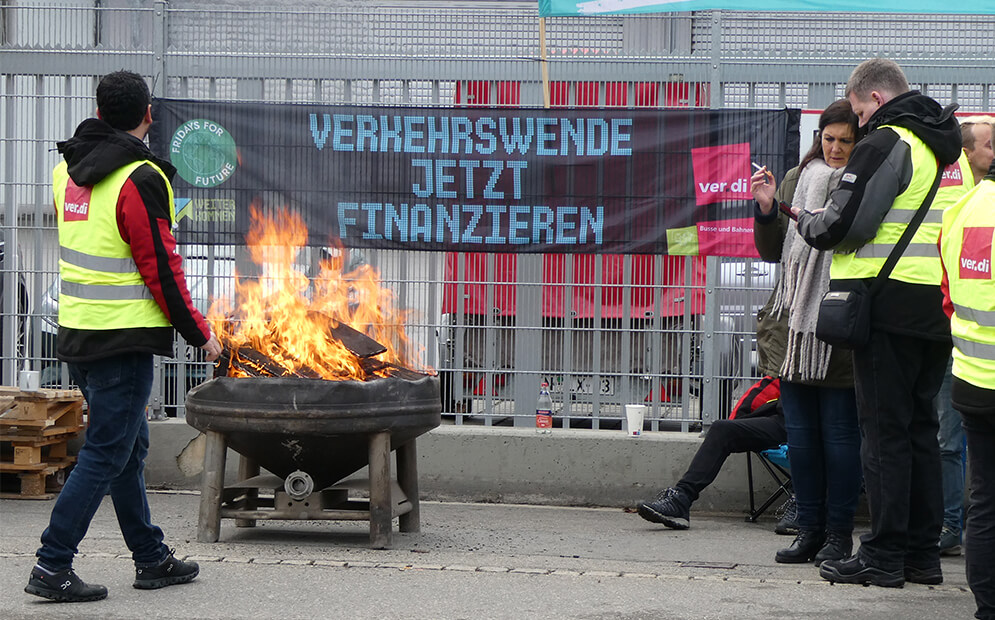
898, 373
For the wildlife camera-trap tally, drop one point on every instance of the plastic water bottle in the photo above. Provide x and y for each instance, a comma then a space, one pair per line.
544, 410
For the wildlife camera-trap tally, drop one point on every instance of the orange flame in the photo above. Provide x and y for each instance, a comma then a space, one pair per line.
290, 318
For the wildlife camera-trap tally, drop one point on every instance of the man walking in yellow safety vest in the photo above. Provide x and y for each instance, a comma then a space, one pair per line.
122, 293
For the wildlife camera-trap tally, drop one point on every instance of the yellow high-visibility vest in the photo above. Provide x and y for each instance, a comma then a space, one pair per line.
966, 246
920, 263
101, 287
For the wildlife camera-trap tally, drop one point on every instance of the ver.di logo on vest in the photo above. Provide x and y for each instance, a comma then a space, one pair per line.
203, 152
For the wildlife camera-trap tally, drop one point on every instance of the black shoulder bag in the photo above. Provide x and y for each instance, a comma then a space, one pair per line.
845, 316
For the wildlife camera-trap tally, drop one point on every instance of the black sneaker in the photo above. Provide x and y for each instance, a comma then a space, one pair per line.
787, 513
950, 542
856, 570
930, 575
671, 508
169, 573
64, 586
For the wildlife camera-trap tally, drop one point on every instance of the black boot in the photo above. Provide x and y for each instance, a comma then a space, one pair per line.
803, 548
839, 546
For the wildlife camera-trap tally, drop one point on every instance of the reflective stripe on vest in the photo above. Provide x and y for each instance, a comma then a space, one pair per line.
97, 263
101, 287
966, 246
919, 263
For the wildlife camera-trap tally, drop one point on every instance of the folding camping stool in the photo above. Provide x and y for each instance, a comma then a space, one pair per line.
775, 461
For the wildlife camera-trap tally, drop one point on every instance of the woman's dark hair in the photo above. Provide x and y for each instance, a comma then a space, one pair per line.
122, 99
837, 112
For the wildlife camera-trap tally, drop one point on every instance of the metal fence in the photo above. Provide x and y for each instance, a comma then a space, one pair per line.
478, 317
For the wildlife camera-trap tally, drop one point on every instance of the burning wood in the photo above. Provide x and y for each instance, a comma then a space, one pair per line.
359, 343
282, 324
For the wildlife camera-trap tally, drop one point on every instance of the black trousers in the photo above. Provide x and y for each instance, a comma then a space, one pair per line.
897, 378
726, 437
980, 539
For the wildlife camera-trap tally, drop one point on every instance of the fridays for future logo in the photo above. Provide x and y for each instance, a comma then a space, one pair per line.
203, 152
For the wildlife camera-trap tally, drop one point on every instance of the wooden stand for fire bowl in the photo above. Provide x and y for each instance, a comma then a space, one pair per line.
311, 435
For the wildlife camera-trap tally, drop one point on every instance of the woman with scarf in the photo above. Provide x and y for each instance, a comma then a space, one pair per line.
817, 395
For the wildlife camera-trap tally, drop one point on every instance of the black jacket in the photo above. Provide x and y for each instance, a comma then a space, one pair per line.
880, 169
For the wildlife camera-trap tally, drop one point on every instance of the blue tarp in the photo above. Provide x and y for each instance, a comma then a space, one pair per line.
554, 8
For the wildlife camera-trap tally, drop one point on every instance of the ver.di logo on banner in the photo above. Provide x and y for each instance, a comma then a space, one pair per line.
721, 173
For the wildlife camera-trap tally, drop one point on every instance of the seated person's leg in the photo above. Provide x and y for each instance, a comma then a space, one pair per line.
672, 505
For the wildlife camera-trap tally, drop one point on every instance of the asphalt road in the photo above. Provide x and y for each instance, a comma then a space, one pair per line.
469, 561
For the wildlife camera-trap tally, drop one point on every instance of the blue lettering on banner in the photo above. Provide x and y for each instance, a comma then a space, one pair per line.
515, 224
565, 225
495, 237
542, 222
541, 136
366, 129
426, 191
320, 136
413, 135
489, 191
573, 133
544, 136
485, 130
475, 212
461, 132
344, 220
618, 136
595, 221
441, 178
388, 134
438, 134
421, 223
341, 132
601, 147
371, 209
469, 165
448, 217
393, 217
516, 141
516, 173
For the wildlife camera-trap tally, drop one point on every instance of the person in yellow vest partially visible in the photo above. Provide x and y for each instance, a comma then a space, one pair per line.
911, 140
966, 249
122, 293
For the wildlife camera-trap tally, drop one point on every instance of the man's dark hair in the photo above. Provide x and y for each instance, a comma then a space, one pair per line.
122, 99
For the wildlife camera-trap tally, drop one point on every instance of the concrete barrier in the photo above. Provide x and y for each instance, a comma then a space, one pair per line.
513, 465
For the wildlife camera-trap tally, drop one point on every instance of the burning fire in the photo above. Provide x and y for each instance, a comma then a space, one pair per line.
336, 326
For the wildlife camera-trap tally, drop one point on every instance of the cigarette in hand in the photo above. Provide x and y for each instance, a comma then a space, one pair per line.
761, 169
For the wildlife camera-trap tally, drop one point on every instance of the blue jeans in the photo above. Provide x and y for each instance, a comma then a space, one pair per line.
951, 440
112, 458
824, 449
980, 537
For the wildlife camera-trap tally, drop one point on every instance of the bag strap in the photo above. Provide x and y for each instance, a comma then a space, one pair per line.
910, 231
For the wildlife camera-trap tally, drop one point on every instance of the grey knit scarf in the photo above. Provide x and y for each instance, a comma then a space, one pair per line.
804, 280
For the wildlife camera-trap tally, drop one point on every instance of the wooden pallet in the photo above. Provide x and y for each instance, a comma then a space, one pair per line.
40, 413
35, 428
35, 480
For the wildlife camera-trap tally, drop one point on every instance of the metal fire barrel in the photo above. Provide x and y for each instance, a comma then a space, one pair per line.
311, 431
290, 424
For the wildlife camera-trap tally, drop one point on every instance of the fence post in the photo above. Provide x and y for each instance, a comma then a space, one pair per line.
159, 49
715, 88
